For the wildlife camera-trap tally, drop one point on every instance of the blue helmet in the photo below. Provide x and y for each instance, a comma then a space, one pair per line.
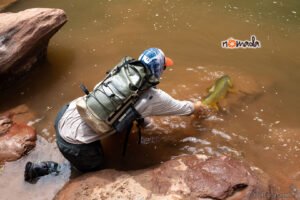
155, 60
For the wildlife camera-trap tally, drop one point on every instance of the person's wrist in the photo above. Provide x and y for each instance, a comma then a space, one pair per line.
198, 107
204, 110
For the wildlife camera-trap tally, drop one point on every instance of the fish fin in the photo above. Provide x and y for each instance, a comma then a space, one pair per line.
215, 106
211, 89
232, 90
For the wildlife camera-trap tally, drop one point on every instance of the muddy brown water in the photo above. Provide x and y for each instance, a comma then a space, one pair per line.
258, 122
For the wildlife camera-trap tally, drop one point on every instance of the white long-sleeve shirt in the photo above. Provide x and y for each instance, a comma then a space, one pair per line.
153, 102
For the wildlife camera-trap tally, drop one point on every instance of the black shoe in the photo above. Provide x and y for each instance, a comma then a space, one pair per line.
34, 171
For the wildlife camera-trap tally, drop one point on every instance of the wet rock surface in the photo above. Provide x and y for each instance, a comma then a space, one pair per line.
16, 137
186, 177
24, 38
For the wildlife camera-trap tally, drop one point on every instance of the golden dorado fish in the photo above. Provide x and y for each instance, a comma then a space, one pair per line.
218, 91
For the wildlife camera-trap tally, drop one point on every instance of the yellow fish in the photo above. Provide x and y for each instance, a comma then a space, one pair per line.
218, 91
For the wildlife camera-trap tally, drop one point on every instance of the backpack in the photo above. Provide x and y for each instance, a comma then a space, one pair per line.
109, 108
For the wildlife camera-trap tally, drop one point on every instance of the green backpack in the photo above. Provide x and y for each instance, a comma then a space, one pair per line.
109, 107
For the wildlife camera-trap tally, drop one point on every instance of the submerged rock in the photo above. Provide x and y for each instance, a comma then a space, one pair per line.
16, 138
24, 38
186, 177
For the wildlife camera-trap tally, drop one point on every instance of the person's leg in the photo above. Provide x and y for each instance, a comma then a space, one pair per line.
35, 170
84, 157
90, 158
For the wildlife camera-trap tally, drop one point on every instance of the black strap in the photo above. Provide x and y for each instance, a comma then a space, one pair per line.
84, 89
126, 139
140, 121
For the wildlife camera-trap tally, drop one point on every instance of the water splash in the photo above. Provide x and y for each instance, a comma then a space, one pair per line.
221, 133
195, 140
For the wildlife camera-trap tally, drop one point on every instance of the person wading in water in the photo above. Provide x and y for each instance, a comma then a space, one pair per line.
128, 93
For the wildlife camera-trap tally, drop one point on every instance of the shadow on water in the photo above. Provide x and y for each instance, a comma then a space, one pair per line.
46, 73
6, 4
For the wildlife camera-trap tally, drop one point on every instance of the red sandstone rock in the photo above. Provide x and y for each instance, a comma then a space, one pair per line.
24, 38
5, 124
186, 177
19, 114
16, 138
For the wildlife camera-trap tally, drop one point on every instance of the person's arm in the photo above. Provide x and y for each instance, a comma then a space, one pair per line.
158, 103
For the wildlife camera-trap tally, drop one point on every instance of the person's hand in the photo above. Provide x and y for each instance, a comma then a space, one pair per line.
201, 110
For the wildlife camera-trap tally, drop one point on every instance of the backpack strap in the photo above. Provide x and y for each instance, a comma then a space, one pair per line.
84, 89
128, 131
126, 125
140, 121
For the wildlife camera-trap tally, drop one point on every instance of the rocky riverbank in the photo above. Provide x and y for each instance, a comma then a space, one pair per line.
32, 29
186, 177
16, 137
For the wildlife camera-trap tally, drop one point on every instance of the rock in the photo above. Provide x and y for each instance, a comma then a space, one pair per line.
16, 138
24, 38
16, 142
19, 114
5, 124
186, 177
